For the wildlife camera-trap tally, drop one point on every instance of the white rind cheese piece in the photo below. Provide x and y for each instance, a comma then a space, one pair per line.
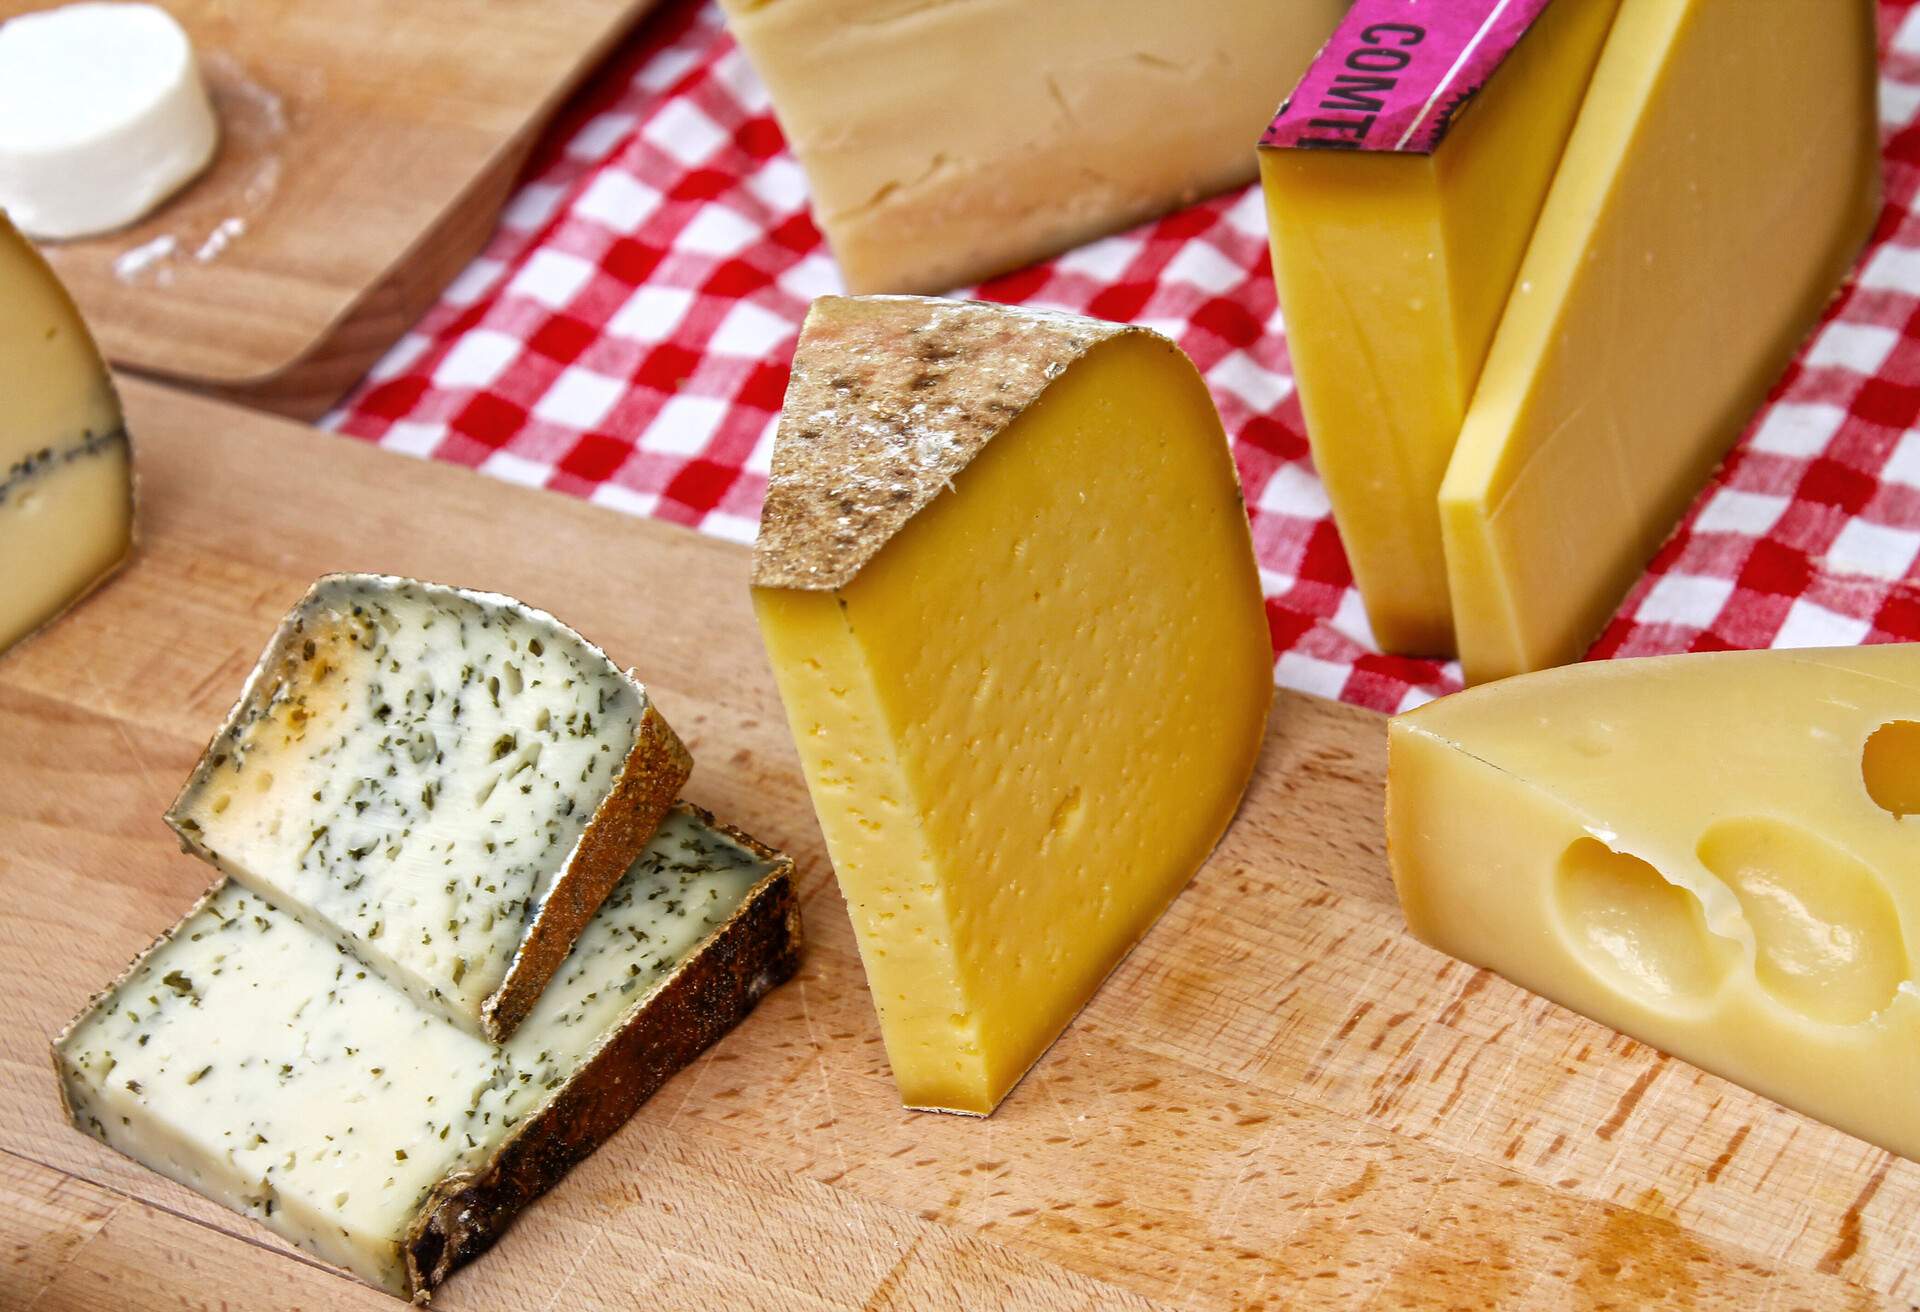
103, 116
448, 781
66, 471
948, 140
266, 1067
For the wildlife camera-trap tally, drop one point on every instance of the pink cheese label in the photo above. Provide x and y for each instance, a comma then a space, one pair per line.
1396, 72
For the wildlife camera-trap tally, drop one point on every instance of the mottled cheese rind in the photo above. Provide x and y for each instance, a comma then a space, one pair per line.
66, 467
899, 394
1720, 180
265, 1066
447, 781
1712, 853
948, 140
1026, 711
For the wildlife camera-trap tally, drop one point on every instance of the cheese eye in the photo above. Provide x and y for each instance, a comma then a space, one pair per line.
1635, 929
1827, 939
1890, 767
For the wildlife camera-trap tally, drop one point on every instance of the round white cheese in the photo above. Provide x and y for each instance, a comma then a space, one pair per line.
102, 116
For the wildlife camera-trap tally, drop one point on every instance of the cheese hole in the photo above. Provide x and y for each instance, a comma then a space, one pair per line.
265, 782
221, 803
1634, 929
1826, 936
1890, 765
1066, 817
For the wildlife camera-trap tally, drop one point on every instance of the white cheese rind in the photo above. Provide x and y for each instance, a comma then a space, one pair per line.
66, 467
416, 768
103, 115
262, 1065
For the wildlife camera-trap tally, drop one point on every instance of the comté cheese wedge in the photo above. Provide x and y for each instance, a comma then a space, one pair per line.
1712, 853
448, 781
948, 140
66, 469
1006, 582
265, 1066
1403, 178
1720, 179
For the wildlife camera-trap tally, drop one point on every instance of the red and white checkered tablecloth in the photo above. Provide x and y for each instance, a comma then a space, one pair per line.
625, 338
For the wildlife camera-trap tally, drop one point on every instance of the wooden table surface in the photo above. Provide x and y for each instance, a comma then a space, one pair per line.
368, 146
1279, 1100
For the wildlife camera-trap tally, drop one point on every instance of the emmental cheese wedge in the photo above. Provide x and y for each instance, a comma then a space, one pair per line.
1721, 177
447, 781
1402, 179
1006, 582
948, 140
265, 1066
1712, 853
66, 469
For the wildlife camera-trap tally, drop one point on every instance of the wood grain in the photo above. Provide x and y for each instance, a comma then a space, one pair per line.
1280, 1098
404, 129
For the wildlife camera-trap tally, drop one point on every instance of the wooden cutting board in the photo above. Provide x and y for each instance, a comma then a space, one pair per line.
368, 148
1279, 1099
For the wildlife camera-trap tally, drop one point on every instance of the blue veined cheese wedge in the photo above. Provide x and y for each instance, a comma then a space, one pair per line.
447, 781
265, 1066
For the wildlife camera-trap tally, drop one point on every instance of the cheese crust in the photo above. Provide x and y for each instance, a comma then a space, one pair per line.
892, 397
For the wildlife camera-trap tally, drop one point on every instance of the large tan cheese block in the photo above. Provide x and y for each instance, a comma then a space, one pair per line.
950, 140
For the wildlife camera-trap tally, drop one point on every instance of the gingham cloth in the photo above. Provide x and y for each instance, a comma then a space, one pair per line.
625, 338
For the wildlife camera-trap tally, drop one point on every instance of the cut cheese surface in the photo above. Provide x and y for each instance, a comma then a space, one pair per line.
448, 781
1720, 179
266, 1067
1394, 265
1006, 583
103, 115
948, 141
66, 473
1710, 853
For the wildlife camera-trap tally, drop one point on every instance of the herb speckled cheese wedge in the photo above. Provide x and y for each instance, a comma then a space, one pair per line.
447, 781
264, 1065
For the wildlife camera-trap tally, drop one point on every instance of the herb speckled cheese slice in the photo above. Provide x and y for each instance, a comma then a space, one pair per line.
263, 1065
447, 781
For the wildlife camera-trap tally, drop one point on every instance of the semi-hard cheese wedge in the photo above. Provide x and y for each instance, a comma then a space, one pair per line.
270, 1069
1403, 178
1720, 179
66, 470
1007, 586
448, 781
948, 140
1712, 853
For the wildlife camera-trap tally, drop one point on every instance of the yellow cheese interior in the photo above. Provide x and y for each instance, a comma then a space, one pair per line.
1026, 722
66, 487
1720, 178
1711, 853
1393, 270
